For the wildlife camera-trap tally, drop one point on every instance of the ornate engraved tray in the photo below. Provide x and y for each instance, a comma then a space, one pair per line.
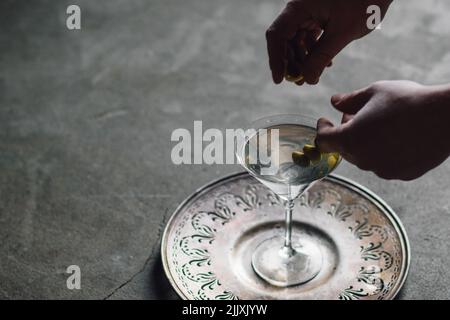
208, 242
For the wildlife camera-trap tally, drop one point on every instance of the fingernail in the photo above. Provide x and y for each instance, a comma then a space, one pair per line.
336, 99
312, 80
322, 123
277, 79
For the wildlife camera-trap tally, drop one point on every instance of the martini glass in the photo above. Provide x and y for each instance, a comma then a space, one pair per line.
280, 152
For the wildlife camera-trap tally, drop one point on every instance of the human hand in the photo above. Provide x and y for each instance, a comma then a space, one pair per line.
303, 21
397, 129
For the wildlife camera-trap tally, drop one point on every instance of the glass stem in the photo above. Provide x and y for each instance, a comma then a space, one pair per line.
288, 235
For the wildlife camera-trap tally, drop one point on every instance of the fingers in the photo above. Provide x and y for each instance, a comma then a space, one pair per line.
276, 47
295, 54
330, 138
351, 103
311, 38
321, 56
304, 42
279, 33
347, 117
335, 139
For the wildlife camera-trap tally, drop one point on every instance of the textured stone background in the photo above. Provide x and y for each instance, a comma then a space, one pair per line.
86, 118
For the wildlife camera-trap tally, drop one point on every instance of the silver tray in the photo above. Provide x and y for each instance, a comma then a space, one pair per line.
207, 243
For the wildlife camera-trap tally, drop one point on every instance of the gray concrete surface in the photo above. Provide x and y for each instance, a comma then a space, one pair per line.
86, 118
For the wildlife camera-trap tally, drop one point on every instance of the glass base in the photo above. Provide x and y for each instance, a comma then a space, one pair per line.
283, 266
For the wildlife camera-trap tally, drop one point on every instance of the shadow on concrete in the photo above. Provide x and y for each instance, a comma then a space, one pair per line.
161, 287
399, 295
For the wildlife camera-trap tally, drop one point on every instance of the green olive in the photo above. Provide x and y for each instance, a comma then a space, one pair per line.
332, 161
313, 153
292, 78
300, 159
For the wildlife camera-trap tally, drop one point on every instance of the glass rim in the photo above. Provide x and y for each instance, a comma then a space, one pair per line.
288, 118
283, 118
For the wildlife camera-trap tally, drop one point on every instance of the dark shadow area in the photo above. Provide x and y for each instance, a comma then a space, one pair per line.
399, 296
162, 290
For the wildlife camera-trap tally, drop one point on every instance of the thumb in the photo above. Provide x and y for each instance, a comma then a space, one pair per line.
352, 102
329, 138
321, 56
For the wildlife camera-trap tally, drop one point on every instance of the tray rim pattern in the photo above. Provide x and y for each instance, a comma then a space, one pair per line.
350, 184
